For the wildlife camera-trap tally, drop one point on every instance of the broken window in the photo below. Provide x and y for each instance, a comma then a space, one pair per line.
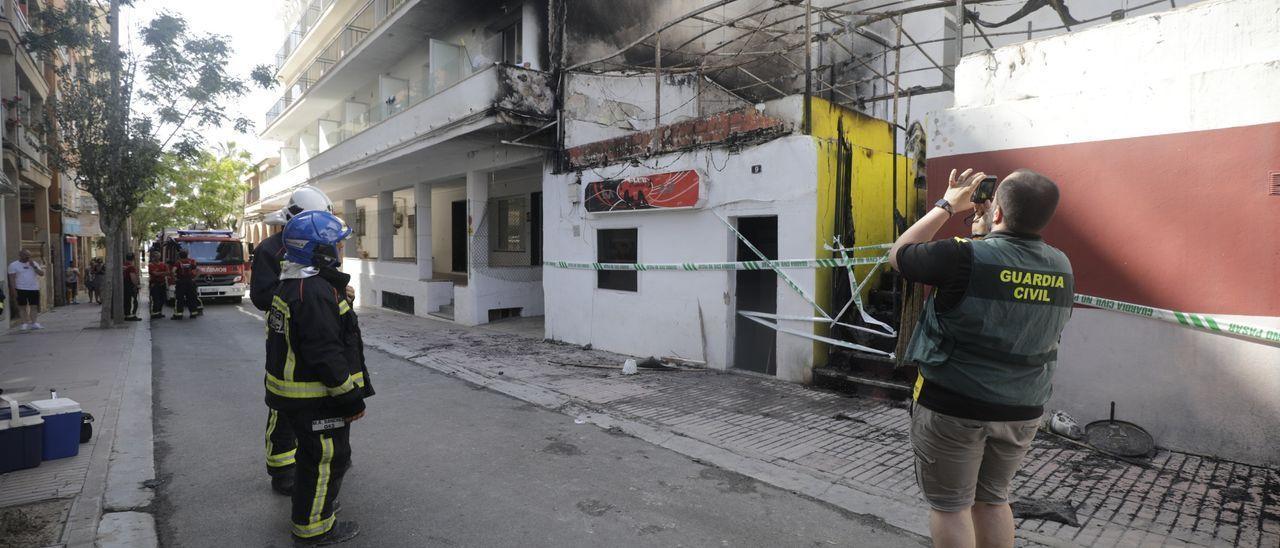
616, 246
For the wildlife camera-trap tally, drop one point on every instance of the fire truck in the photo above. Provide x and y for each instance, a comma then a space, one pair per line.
222, 268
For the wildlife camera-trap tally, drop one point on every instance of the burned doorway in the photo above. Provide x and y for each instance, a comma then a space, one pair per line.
458, 234
754, 345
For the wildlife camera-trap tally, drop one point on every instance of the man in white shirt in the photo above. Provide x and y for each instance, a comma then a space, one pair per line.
24, 279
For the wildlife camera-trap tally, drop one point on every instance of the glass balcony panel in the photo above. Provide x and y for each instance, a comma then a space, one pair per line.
445, 65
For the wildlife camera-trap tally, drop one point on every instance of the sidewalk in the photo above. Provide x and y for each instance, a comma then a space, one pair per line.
788, 435
108, 373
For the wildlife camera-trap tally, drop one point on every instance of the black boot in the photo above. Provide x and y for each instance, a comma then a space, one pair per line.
283, 484
342, 531
176, 317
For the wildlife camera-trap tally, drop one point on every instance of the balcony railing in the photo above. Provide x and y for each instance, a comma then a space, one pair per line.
311, 12
19, 18
352, 35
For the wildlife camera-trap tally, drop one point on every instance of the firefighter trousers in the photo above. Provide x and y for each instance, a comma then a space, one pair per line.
282, 445
130, 300
186, 297
159, 294
321, 462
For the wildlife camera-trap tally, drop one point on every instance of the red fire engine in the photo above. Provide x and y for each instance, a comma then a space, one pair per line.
222, 269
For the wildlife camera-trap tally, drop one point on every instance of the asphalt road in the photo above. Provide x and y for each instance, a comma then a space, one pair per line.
438, 462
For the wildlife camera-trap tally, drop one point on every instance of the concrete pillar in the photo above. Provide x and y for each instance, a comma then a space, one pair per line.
422, 206
477, 236
349, 215
468, 306
386, 226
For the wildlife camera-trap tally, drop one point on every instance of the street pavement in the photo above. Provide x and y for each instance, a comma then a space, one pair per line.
439, 462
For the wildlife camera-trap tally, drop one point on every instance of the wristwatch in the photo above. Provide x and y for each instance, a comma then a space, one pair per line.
945, 205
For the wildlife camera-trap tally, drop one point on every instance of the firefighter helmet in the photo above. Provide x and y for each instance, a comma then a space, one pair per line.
311, 238
305, 198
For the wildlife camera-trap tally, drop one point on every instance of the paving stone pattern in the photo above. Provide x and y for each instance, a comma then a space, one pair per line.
1176, 499
67, 356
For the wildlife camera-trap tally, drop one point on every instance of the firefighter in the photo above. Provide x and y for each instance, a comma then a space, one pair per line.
157, 282
267, 257
316, 378
184, 273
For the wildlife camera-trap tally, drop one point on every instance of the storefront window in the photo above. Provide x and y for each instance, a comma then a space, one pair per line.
365, 228
404, 224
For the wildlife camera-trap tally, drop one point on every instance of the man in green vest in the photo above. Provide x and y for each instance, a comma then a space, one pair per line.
986, 346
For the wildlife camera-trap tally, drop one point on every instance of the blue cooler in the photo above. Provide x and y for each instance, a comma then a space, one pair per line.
61, 427
21, 436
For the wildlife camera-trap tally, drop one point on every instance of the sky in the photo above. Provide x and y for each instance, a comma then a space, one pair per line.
253, 28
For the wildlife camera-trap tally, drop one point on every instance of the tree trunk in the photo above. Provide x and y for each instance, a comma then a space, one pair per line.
112, 281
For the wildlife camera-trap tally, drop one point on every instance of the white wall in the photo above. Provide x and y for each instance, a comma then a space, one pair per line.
662, 317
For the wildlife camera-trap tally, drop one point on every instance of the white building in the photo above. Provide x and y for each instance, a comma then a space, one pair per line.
400, 111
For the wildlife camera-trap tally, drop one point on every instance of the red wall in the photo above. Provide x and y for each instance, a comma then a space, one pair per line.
1181, 221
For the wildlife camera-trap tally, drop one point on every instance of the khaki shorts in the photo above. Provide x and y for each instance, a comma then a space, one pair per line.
959, 460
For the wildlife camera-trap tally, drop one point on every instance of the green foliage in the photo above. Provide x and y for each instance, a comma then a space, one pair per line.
207, 190
116, 116
264, 76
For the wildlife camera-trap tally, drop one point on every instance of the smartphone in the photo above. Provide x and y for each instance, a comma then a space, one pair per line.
986, 189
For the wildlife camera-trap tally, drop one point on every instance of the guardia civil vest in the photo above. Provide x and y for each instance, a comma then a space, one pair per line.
1000, 343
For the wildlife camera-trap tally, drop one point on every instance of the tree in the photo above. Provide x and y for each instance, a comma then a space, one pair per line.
117, 113
207, 190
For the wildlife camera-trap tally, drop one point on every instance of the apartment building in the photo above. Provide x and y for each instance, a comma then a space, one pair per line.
419, 118
25, 178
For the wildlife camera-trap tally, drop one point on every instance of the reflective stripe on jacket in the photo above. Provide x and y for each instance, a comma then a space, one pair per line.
315, 357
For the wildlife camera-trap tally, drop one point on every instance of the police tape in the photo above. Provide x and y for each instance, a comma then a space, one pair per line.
1199, 322
738, 265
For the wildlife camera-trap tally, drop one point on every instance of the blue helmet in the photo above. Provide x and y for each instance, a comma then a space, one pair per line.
311, 238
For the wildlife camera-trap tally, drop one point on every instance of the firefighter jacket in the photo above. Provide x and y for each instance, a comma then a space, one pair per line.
158, 274
315, 356
266, 271
184, 269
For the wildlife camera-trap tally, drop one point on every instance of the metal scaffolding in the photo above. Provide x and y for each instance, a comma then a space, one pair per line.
769, 49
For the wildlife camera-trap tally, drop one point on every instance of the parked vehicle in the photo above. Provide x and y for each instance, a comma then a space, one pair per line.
221, 257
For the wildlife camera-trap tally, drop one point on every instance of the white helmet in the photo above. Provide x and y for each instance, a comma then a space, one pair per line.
305, 198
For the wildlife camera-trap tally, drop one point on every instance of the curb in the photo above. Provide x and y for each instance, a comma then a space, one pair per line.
131, 469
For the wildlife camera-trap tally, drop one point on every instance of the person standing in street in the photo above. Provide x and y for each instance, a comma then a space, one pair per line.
24, 278
132, 283
986, 347
315, 372
73, 283
281, 444
157, 282
184, 274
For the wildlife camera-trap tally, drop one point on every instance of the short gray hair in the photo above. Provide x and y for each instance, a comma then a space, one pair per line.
1028, 200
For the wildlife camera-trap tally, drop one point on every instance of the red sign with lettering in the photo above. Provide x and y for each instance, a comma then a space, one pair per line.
678, 189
